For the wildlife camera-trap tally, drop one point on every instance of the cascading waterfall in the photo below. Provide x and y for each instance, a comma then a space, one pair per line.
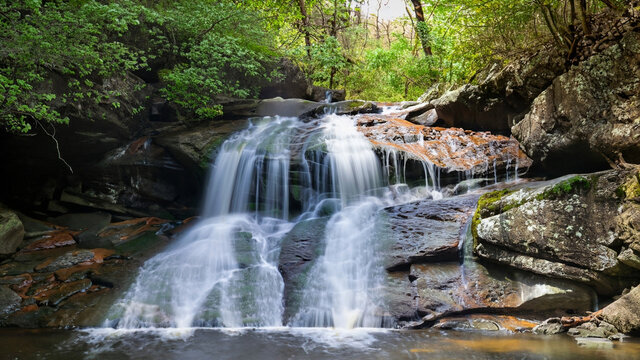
223, 272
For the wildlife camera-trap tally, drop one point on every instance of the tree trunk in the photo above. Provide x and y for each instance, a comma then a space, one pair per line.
305, 26
582, 13
421, 27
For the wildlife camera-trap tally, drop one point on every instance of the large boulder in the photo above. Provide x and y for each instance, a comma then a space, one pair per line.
573, 228
300, 248
426, 231
624, 313
502, 96
590, 116
11, 231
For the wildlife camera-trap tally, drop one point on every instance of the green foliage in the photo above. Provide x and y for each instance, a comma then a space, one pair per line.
209, 48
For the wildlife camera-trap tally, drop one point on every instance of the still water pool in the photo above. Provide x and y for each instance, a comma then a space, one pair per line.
287, 343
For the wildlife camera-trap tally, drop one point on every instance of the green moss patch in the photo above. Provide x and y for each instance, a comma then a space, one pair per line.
570, 186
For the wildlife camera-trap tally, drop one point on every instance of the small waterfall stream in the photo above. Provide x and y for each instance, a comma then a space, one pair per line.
223, 272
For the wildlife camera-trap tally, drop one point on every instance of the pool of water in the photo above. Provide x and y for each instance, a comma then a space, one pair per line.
288, 343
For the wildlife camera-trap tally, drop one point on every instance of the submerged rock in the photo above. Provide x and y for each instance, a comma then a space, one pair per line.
589, 116
571, 228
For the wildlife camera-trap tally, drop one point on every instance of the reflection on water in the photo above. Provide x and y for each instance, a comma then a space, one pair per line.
307, 343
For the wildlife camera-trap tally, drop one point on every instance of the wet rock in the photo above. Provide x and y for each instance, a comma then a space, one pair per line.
449, 288
89, 224
53, 239
624, 313
55, 296
300, 248
426, 231
9, 301
400, 296
11, 231
588, 117
292, 84
120, 233
599, 329
485, 323
551, 326
569, 228
72, 258
449, 150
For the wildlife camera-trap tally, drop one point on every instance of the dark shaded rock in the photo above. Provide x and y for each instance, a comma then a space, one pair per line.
500, 98
589, 116
624, 313
196, 146
269, 107
319, 93
400, 296
426, 231
571, 227
9, 301
291, 84
11, 231
300, 248
349, 107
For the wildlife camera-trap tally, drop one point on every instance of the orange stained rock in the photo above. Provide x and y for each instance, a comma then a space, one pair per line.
135, 146
450, 148
29, 308
126, 230
56, 238
65, 274
21, 288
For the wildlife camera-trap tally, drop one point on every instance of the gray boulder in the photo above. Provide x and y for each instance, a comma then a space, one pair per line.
589, 116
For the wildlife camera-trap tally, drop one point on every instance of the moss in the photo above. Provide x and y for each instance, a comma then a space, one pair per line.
630, 189
488, 205
570, 186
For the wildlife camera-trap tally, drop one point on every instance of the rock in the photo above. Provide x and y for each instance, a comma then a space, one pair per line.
269, 107
502, 97
349, 107
11, 231
451, 151
571, 228
630, 258
121, 234
73, 258
485, 322
322, 94
427, 119
196, 146
448, 288
589, 116
55, 296
9, 301
291, 84
592, 329
300, 248
624, 313
426, 231
551, 326
83, 221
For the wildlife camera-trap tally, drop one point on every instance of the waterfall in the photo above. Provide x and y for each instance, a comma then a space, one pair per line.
223, 272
